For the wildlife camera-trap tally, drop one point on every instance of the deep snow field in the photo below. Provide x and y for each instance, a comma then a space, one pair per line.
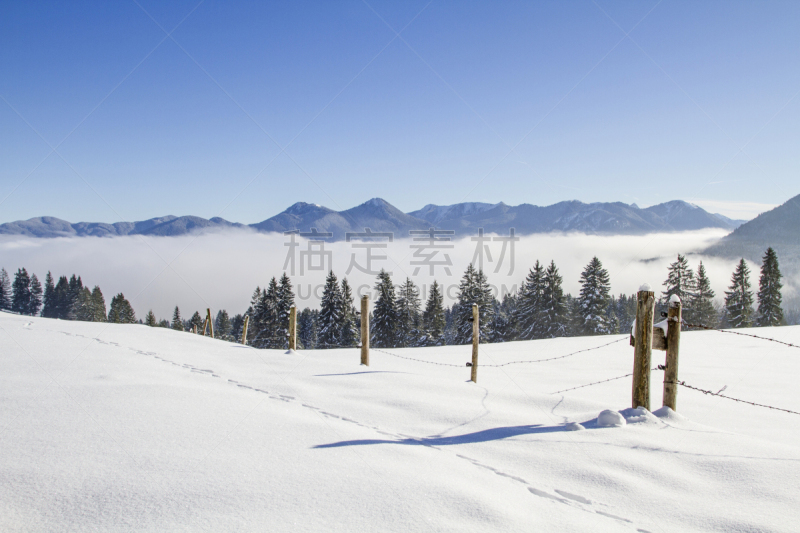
108, 427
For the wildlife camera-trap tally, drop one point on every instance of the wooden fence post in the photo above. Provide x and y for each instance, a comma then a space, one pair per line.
365, 330
673, 348
293, 328
194, 329
643, 347
210, 322
244, 329
476, 337
205, 326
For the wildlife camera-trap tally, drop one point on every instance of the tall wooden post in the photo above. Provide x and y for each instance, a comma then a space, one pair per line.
205, 326
292, 328
643, 347
673, 348
476, 337
244, 329
210, 322
365, 330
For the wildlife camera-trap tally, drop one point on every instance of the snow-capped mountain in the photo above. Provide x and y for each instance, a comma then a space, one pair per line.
379, 215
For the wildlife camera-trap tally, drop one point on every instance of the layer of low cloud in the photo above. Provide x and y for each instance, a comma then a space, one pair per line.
221, 270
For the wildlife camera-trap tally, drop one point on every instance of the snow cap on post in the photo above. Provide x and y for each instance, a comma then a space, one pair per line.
645, 288
674, 300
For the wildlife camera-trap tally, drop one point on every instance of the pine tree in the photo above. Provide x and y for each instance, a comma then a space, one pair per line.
163, 323
350, 324
61, 303
75, 288
626, 312
121, 311
473, 289
49, 307
739, 298
611, 316
21, 292
222, 325
265, 322
237, 325
198, 321
331, 314
501, 328
701, 304
554, 314
529, 304
680, 281
384, 316
150, 319
177, 321
83, 309
307, 329
594, 299
450, 332
5, 290
770, 312
433, 318
284, 301
35, 302
408, 315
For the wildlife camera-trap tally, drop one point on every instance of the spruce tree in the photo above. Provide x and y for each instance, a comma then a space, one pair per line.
450, 332
408, 314
83, 309
770, 312
150, 319
350, 324
594, 299
739, 298
700, 308
501, 327
163, 323
177, 321
36, 296
265, 320
284, 301
473, 289
554, 314
680, 281
331, 314
49, 303
75, 288
61, 300
121, 312
198, 321
5, 290
21, 292
433, 318
222, 325
529, 305
307, 329
384, 316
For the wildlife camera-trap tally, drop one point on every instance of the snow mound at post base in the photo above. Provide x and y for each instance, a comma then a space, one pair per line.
610, 419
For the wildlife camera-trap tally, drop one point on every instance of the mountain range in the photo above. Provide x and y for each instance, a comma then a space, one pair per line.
614, 218
778, 228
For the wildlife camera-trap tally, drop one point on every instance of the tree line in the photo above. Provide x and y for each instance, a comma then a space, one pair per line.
67, 299
538, 309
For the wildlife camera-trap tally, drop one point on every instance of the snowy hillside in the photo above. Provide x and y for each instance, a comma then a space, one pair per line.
109, 427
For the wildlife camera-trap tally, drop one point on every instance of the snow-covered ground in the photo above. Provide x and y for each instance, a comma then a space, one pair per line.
128, 428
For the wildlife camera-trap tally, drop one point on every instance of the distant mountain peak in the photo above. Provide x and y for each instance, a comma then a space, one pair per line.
379, 215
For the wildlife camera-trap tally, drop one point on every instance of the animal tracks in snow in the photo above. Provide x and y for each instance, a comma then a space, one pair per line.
559, 496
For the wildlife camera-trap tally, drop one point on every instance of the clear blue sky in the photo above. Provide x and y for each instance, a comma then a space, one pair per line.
532, 102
